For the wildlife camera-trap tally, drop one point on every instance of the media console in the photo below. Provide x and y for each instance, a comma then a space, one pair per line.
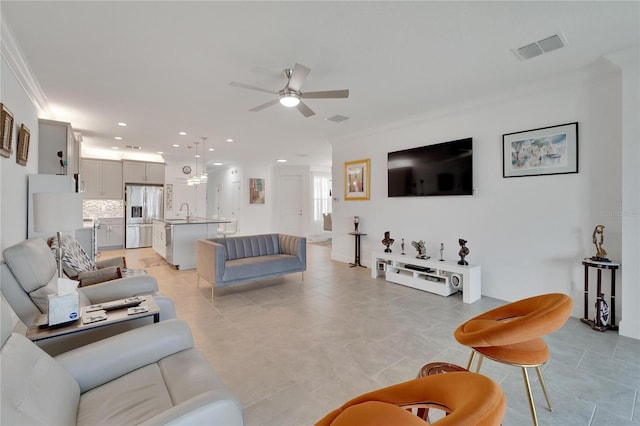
443, 278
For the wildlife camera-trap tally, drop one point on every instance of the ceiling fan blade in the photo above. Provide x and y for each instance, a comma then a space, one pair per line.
305, 110
326, 94
263, 106
248, 86
298, 75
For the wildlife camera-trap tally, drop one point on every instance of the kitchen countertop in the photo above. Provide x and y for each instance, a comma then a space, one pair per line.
192, 220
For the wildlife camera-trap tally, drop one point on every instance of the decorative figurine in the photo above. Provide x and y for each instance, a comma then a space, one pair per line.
441, 251
387, 241
402, 247
356, 221
464, 251
601, 254
604, 311
421, 249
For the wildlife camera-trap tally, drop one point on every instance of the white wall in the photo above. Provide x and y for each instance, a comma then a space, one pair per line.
528, 233
13, 188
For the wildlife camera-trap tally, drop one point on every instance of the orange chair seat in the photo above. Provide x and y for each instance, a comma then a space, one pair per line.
516, 322
470, 398
531, 353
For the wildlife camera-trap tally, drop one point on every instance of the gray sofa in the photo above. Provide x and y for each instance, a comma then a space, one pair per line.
151, 375
227, 261
29, 275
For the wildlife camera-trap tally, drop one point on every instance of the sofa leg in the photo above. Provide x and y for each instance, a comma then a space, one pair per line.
302, 276
213, 286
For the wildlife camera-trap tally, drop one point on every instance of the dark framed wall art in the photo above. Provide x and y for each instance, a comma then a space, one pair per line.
549, 150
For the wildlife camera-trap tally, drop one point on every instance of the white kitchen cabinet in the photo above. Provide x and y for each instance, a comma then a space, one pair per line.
111, 233
141, 172
159, 242
54, 137
101, 179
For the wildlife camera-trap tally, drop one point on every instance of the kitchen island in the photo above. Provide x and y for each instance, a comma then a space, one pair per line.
175, 239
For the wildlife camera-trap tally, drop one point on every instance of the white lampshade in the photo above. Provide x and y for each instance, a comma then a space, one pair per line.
57, 211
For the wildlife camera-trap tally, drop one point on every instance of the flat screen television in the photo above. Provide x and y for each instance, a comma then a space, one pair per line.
440, 169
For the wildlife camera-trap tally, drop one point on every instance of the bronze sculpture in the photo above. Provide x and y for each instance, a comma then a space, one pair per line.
464, 251
601, 254
387, 241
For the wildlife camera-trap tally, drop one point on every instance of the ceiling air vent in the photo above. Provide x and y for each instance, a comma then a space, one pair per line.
539, 47
337, 118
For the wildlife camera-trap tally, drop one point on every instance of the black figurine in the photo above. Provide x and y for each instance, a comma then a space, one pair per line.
387, 241
464, 251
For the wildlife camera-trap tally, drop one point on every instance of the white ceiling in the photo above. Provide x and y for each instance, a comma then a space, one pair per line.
165, 66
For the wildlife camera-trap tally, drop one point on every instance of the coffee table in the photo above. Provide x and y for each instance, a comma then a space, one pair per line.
35, 332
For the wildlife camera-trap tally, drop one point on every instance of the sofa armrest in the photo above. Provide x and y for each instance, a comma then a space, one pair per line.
119, 289
97, 276
210, 261
217, 407
114, 261
295, 246
100, 362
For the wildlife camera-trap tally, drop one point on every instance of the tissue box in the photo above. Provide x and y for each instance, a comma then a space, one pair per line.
64, 308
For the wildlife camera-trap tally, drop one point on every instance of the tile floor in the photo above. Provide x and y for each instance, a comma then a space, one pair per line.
291, 351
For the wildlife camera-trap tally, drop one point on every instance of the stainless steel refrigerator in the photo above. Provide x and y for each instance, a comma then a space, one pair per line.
143, 203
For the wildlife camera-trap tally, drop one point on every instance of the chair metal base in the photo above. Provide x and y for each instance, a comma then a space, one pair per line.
525, 376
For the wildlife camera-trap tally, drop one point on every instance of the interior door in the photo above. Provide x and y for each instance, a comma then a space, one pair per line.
291, 212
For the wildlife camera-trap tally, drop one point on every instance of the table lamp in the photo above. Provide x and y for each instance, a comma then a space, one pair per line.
57, 212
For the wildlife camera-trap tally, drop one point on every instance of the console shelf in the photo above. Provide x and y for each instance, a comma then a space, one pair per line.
429, 275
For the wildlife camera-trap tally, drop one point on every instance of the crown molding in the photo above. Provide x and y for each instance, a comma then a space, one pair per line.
18, 64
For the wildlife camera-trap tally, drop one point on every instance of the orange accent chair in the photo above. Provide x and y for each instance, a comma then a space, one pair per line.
466, 398
511, 334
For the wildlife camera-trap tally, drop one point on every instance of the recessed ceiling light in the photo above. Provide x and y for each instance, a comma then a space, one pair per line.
182, 133
115, 147
122, 124
118, 138
281, 160
197, 155
229, 140
160, 152
211, 149
175, 145
217, 163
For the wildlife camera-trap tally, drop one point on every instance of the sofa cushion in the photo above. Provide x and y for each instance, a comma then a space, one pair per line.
129, 399
31, 263
35, 388
255, 267
40, 297
249, 246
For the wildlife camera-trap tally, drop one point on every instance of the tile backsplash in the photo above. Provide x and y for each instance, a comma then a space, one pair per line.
93, 209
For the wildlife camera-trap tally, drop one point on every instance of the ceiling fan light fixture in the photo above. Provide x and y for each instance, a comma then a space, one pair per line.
290, 99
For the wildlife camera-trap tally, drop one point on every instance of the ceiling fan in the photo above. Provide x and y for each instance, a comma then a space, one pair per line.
290, 95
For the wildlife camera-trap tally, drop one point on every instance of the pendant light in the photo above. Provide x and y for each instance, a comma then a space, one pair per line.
204, 177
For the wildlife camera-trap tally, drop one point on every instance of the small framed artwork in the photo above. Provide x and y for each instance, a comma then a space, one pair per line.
549, 150
256, 191
24, 137
357, 180
6, 132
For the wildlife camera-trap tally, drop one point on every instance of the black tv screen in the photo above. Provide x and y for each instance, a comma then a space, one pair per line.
440, 169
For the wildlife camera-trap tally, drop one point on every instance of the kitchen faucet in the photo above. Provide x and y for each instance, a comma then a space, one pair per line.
185, 204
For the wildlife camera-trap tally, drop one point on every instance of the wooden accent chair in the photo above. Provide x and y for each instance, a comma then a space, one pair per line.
467, 398
511, 334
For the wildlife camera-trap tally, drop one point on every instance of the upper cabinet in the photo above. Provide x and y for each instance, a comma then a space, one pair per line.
141, 172
56, 145
101, 179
